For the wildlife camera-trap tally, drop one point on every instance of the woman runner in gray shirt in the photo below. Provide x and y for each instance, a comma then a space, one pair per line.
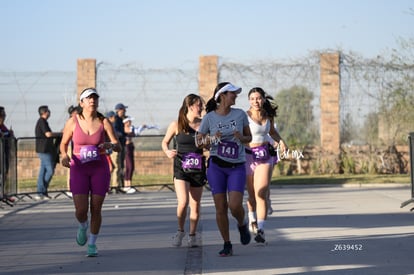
225, 130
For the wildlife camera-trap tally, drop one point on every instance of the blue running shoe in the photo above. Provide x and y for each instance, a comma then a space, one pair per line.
81, 236
92, 250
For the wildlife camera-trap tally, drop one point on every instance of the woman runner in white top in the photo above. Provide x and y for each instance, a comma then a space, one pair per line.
259, 158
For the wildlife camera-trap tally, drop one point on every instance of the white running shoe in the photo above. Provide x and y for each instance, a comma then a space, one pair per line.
193, 241
37, 197
253, 227
178, 238
131, 190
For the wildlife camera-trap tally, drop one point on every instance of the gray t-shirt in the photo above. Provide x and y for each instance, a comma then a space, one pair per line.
229, 148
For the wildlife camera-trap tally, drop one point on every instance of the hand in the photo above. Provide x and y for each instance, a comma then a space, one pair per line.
66, 161
171, 153
283, 146
106, 145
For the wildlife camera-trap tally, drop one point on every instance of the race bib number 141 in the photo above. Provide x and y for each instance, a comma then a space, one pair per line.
228, 149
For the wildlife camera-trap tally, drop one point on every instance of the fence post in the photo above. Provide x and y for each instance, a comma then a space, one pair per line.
208, 76
411, 144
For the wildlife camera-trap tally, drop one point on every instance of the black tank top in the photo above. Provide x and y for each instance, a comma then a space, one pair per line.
186, 143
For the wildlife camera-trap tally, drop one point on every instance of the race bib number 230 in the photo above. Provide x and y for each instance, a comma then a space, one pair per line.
192, 161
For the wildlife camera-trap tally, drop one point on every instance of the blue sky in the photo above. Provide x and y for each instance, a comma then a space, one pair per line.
52, 35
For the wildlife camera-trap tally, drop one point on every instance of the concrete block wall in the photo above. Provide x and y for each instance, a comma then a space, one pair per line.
153, 163
146, 163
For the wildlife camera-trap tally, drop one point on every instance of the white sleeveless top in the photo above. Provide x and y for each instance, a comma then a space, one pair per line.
259, 132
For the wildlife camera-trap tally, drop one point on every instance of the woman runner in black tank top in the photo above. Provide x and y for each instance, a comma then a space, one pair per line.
189, 166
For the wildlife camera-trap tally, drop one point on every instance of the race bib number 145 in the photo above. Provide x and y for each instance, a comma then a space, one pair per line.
89, 153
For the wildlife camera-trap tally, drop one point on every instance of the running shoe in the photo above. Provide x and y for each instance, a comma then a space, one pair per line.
269, 206
253, 227
92, 250
131, 190
260, 237
193, 241
227, 250
81, 236
244, 234
269, 210
178, 238
37, 197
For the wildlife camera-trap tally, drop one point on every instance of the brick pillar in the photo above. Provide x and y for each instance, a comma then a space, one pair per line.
207, 76
86, 74
329, 101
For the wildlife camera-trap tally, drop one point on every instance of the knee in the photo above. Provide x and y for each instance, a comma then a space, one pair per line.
235, 207
221, 210
182, 203
182, 207
81, 211
95, 212
195, 208
262, 193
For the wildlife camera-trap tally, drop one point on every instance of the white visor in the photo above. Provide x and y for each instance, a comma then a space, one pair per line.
228, 88
87, 93
128, 119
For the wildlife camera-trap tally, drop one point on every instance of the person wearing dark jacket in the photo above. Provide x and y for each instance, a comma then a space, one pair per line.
46, 151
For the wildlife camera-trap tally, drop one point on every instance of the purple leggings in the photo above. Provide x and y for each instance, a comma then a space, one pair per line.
91, 177
223, 180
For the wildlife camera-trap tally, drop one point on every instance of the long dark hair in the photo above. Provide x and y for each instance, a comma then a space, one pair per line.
212, 103
270, 110
183, 123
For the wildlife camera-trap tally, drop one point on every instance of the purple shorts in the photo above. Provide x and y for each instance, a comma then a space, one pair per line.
223, 180
251, 164
90, 177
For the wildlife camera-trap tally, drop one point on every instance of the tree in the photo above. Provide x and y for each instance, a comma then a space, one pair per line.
397, 111
295, 118
349, 130
369, 131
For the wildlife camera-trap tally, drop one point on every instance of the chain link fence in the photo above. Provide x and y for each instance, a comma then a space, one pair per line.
376, 97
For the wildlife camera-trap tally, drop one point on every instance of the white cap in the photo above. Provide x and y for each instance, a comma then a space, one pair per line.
228, 88
87, 92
